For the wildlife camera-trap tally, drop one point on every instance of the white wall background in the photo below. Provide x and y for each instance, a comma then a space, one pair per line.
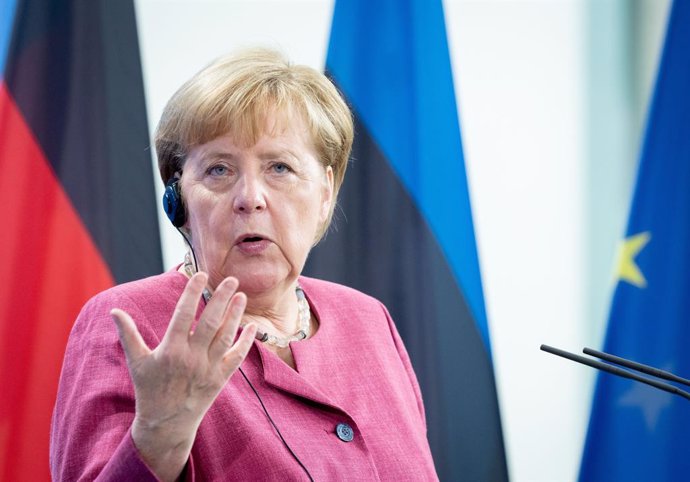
550, 123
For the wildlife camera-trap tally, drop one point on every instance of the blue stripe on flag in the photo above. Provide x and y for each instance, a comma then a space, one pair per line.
7, 8
411, 112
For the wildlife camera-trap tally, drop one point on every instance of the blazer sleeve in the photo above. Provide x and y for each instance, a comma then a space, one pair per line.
407, 364
90, 432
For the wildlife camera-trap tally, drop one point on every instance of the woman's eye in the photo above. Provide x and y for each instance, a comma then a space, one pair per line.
218, 170
281, 168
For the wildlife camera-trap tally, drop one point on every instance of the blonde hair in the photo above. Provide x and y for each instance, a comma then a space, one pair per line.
235, 93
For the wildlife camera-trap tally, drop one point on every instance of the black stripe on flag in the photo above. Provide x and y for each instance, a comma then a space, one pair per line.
75, 73
381, 245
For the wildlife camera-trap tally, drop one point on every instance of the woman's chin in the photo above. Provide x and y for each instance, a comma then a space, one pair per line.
260, 282
260, 274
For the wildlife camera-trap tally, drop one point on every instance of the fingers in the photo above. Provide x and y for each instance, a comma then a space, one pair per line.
239, 351
185, 310
131, 340
225, 336
214, 315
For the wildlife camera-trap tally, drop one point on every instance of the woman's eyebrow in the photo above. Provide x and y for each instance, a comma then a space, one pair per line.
217, 155
278, 154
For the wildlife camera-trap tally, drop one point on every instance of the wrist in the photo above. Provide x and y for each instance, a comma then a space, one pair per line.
164, 451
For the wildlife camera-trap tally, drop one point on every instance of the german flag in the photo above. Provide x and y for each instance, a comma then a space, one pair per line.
77, 197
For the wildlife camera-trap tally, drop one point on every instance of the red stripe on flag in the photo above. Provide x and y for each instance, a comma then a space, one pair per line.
50, 267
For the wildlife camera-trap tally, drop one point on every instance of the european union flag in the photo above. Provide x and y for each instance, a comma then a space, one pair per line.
406, 235
637, 432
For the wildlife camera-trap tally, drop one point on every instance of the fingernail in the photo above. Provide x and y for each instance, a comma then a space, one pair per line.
231, 283
251, 329
239, 304
116, 320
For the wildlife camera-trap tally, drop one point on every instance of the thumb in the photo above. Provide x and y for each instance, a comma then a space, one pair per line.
131, 340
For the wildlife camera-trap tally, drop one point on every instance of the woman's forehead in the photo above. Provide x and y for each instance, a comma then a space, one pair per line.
281, 136
247, 127
273, 127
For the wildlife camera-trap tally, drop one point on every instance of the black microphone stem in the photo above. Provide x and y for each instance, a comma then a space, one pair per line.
637, 366
616, 371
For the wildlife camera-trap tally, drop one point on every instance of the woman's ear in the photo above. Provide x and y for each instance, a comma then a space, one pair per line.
327, 195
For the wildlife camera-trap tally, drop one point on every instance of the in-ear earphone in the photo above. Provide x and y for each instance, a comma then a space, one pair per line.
173, 204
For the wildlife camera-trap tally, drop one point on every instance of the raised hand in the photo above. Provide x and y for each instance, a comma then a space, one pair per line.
176, 383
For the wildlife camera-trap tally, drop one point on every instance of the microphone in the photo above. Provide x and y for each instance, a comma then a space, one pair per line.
655, 372
624, 373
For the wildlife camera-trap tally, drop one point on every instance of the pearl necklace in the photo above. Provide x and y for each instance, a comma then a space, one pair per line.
261, 335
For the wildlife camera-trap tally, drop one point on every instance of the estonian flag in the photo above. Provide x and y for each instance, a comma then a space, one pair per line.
77, 197
404, 228
637, 432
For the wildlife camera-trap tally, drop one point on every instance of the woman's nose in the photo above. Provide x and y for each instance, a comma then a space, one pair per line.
250, 196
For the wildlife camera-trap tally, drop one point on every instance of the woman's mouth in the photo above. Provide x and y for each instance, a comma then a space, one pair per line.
252, 245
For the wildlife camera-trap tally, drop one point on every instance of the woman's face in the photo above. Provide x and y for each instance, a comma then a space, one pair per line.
254, 211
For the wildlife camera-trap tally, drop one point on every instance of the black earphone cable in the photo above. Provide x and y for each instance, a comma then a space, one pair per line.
294, 455
191, 248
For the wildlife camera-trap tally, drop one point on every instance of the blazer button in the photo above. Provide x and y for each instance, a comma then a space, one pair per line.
344, 432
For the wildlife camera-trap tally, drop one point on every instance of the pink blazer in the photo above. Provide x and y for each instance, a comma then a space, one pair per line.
353, 380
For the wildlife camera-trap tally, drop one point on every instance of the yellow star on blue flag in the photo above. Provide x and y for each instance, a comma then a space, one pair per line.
628, 270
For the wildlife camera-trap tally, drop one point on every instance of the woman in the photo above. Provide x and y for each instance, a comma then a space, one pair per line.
233, 366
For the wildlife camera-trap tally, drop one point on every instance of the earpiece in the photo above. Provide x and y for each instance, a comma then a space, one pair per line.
173, 205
